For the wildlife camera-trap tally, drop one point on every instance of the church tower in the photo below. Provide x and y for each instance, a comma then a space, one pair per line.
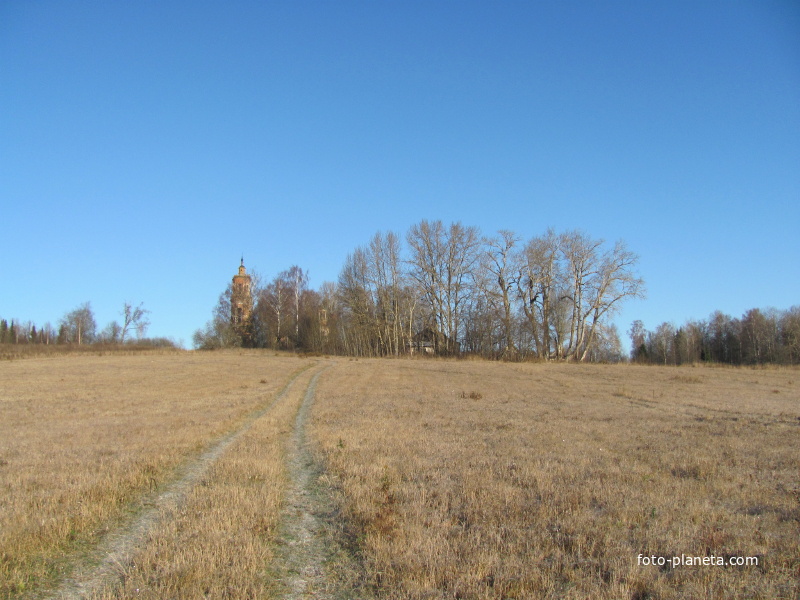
241, 298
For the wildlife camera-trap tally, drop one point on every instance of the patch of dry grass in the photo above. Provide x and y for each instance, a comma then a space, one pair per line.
220, 542
84, 439
552, 479
26, 351
454, 479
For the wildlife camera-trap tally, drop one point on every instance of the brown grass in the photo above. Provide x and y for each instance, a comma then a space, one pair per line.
455, 479
547, 481
220, 543
84, 439
25, 351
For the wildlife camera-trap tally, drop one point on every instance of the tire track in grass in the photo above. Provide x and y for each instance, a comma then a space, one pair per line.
310, 545
106, 563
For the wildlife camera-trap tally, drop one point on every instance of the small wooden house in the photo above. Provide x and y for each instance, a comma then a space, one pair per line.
423, 343
429, 341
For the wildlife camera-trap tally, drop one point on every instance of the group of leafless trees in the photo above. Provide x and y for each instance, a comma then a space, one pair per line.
79, 327
768, 336
448, 290
283, 314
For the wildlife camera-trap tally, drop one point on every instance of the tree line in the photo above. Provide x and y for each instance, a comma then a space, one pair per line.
79, 327
448, 290
760, 336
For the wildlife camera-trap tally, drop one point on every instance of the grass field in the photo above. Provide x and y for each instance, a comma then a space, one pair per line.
85, 441
450, 479
490, 480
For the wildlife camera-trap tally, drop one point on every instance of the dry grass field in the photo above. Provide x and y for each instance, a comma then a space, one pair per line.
448, 479
490, 480
86, 442
219, 542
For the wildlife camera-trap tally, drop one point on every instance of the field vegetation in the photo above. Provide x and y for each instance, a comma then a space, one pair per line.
87, 441
150, 347
470, 479
220, 540
444, 478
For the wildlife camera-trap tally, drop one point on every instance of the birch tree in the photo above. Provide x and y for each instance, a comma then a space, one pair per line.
442, 263
299, 281
358, 316
503, 265
386, 281
611, 280
133, 318
538, 285
276, 300
79, 324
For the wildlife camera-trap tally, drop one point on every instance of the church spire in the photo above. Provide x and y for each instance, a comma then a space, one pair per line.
241, 297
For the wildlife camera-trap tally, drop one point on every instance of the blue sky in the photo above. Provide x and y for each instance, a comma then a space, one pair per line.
145, 146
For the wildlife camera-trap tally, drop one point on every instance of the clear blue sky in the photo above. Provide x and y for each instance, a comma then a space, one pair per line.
145, 146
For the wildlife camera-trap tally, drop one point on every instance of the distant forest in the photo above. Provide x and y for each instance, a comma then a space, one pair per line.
760, 336
448, 290
78, 327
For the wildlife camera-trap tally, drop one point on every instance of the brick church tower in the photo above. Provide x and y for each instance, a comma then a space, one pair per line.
241, 298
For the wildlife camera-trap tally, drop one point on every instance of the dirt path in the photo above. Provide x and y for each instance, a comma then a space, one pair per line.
310, 544
302, 551
102, 566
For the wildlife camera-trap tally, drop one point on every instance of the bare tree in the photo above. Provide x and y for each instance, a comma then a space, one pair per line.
48, 333
274, 305
79, 324
299, 281
662, 343
538, 284
638, 335
442, 264
607, 346
580, 254
689, 342
386, 281
760, 336
504, 268
790, 334
426, 241
219, 332
613, 281
330, 318
568, 285
356, 295
110, 333
133, 317
378, 305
